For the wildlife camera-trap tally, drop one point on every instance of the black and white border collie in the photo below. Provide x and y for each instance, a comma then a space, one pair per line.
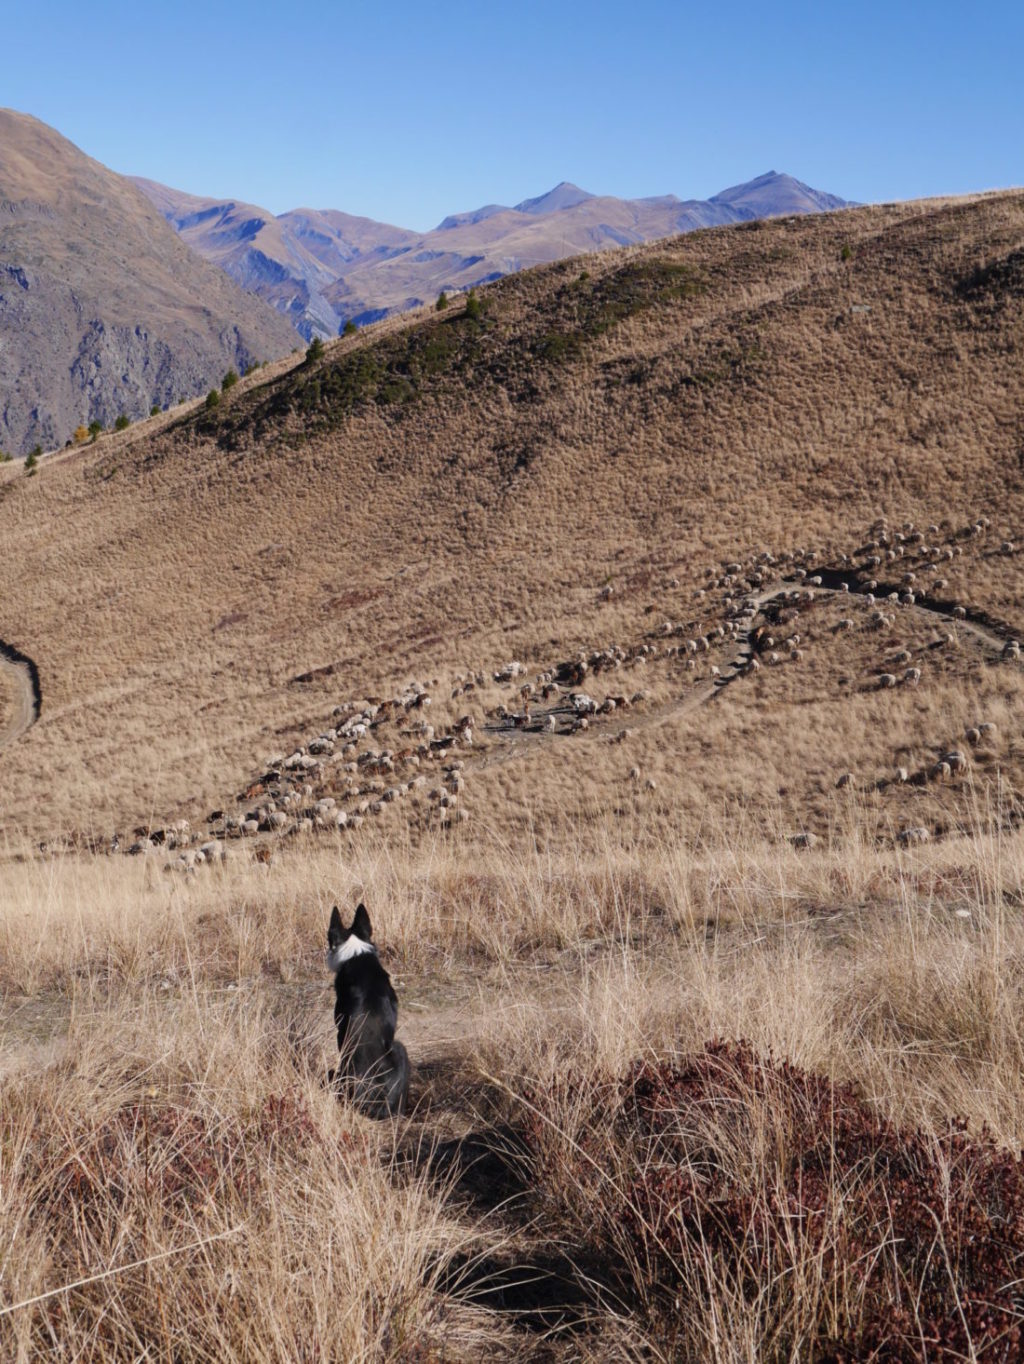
373, 1067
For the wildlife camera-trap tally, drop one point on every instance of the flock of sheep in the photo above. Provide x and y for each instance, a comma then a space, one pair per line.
340, 778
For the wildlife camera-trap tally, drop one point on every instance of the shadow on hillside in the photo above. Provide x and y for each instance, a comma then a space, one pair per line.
487, 1166
541, 1287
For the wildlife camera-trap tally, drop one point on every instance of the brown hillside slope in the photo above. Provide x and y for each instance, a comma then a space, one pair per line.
455, 492
103, 309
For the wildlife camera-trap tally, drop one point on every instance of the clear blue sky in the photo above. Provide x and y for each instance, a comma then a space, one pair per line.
407, 112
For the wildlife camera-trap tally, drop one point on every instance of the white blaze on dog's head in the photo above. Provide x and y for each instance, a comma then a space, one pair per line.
345, 943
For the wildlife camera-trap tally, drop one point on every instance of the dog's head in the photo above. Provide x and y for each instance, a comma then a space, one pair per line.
345, 943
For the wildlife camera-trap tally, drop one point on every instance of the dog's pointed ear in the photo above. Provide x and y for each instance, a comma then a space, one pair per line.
361, 924
335, 932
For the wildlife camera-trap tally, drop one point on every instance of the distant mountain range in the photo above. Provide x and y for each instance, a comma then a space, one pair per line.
103, 309
110, 301
322, 268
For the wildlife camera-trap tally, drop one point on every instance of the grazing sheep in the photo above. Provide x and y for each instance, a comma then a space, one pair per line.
845, 780
958, 613
987, 729
804, 840
941, 771
902, 776
509, 671
972, 735
955, 760
903, 656
634, 774
845, 624
912, 677
887, 680
1011, 649
910, 837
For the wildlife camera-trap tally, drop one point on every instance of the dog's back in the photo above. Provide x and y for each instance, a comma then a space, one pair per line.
373, 1063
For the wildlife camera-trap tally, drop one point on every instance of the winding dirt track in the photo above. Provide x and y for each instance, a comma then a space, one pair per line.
519, 740
23, 677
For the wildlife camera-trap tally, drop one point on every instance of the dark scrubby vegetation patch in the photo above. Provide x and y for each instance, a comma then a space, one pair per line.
586, 308
488, 341
736, 1177
393, 371
1001, 279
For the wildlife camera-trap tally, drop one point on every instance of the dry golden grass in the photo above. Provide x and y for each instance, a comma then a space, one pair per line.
219, 586
164, 1122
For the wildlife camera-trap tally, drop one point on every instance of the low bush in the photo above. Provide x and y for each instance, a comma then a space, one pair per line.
735, 1184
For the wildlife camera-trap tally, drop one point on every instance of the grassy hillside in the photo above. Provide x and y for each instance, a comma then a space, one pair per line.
445, 494
711, 984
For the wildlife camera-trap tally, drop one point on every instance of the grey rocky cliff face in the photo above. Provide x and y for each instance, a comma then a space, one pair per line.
103, 309
61, 368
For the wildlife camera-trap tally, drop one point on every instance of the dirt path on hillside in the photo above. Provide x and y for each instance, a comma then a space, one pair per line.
520, 741
23, 678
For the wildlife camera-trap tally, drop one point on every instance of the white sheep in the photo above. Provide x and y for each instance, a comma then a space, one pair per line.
909, 837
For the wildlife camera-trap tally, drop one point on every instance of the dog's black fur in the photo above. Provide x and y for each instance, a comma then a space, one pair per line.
374, 1068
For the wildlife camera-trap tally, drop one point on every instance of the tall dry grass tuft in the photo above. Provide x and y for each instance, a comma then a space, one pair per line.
183, 1186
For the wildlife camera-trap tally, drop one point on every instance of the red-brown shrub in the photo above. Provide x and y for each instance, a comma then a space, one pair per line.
782, 1182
